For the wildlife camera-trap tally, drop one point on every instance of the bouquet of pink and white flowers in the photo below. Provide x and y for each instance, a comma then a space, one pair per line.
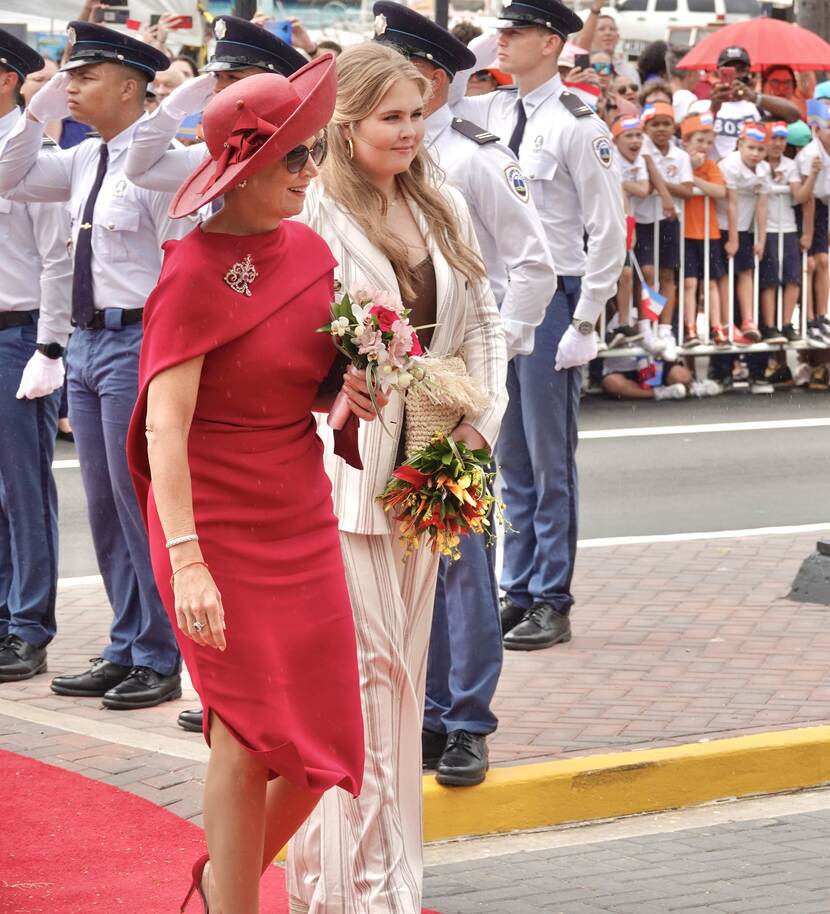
372, 330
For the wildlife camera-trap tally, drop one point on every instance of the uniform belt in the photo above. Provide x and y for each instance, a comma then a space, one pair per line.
115, 318
16, 319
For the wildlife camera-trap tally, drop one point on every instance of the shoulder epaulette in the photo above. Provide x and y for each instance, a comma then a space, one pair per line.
510, 87
47, 142
93, 135
473, 132
575, 105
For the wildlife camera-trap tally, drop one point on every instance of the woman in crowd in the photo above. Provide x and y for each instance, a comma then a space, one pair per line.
229, 473
601, 34
391, 225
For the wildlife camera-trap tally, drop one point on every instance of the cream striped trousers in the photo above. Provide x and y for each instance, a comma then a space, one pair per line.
365, 855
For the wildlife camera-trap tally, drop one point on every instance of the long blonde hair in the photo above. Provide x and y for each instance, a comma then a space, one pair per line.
365, 73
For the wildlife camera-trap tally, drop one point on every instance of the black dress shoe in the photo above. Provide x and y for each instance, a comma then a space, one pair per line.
96, 681
465, 760
511, 614
191, 720
143, 688
432, 747
542, 626
20, 660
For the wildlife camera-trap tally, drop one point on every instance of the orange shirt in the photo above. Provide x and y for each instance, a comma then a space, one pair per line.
695, 212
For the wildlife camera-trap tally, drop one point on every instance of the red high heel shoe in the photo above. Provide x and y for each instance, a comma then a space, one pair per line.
196, 885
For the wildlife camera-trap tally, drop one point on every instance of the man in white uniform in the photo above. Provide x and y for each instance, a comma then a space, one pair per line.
566, 153
465, 656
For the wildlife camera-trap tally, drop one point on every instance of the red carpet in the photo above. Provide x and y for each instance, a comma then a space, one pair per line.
71, 845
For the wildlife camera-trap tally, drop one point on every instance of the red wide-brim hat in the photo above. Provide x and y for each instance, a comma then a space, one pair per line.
255, 122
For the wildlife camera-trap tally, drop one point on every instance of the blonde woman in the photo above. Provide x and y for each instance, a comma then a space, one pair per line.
391, 223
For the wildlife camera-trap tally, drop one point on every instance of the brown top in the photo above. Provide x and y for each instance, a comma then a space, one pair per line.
425, 302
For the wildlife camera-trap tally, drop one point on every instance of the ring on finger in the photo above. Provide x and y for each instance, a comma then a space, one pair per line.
198, 626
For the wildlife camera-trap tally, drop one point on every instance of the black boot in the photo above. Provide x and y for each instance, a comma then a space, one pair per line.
20, 660
542, 626
465, 760
511, 614
95, 682
191, 720
143, 688
432, 748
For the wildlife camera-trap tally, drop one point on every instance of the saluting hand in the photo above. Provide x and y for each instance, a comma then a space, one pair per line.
51, 102
191, 97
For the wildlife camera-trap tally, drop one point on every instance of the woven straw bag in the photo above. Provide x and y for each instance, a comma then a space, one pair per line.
438, 403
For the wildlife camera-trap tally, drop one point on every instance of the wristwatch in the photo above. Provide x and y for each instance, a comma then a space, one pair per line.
586, 328
50, 350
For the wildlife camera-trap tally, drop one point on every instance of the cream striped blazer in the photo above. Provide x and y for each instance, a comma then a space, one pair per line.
467, 319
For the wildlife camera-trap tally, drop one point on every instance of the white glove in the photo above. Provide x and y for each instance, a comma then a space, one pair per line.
575, 348
191, 97
50, 103
41, 376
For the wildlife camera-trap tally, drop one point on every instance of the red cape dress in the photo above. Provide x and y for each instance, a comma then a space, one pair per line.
287, 685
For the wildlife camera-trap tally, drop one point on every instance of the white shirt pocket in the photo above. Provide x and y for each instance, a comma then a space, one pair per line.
117, 224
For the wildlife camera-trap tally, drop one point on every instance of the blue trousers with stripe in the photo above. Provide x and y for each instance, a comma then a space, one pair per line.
28, 497
537, 456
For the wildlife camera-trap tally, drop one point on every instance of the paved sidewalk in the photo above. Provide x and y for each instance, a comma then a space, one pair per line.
769, 866
673, 643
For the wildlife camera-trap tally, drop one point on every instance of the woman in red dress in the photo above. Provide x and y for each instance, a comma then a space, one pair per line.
229, 472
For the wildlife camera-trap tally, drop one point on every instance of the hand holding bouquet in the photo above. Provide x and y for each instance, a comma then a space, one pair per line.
372, 330
443, 492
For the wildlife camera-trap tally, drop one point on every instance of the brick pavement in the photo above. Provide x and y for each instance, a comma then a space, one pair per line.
770, 866
674, 642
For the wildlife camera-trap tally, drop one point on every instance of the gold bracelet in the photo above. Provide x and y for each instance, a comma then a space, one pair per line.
186, 565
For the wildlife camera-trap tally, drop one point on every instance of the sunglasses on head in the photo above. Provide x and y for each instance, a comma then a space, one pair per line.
296, 159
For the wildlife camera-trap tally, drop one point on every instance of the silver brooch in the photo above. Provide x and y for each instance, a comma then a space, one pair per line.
380, 24
220, 29
241, 275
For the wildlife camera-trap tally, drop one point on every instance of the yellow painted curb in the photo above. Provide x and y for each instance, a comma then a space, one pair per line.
625, 783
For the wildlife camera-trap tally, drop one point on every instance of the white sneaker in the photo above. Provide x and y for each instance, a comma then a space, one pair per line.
706, 388
672, 392
602, 346
761, 387
666, 337
653, 346
802, 375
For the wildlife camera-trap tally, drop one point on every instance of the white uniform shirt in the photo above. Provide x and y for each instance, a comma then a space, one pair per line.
630, 171
35, 269
804, 160
506, 224
747, 184
781, 210
568, 161
129, 224
151, 163
675, 167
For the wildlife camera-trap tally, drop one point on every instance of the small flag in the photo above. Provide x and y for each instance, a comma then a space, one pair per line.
652, 303
133, 24
817, 113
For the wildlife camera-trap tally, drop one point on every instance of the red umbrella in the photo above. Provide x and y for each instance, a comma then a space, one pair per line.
767, 41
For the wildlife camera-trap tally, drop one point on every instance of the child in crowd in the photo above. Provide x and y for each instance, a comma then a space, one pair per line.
628, 140
698, 135
784, 270
814, 167
629, 377
747, 181
670, 172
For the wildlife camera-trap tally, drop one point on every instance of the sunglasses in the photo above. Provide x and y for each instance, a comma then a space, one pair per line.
626, 89
296, 159
604, 69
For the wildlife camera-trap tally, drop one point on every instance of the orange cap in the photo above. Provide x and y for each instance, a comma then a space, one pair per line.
696, 123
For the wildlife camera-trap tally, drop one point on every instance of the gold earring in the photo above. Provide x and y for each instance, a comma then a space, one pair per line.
350, 144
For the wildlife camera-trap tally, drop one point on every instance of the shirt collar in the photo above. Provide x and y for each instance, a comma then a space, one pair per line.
8, 121
437, 122
542, 93
121, 141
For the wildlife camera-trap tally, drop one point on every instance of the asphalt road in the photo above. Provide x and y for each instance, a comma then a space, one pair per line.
643, 484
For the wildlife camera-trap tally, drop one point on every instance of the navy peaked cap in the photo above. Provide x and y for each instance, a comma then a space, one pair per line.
241, 44
551, 14
90, 43
18, 56
416, 36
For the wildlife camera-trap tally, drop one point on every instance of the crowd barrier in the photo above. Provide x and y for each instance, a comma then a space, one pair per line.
799, 319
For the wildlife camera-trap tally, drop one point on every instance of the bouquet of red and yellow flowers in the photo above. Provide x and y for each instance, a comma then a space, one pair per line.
443, 492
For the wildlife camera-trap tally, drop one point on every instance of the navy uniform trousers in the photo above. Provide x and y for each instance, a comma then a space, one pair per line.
537, 457
102, 372
28, 497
